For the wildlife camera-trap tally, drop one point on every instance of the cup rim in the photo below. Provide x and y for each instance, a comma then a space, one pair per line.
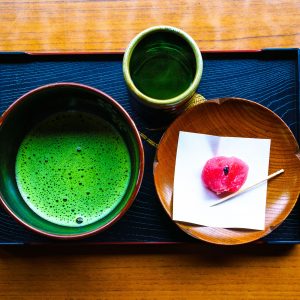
137, 184
179, 98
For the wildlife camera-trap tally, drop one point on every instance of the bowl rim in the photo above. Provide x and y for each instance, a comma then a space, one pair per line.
135, 131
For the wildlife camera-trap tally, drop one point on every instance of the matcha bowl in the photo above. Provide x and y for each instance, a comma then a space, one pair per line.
71, 160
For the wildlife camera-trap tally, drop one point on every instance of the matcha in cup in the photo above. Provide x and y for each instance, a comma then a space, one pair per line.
73, 168
71, 160
162, 68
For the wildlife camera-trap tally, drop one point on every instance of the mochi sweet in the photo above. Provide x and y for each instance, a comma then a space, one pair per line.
224, 174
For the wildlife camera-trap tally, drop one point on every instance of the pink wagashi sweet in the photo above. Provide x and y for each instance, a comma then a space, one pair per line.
224, 174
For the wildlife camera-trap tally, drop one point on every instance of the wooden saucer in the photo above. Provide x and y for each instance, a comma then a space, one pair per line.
238, 118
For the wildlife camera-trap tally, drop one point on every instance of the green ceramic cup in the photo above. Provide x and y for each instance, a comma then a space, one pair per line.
162, 67
54, 186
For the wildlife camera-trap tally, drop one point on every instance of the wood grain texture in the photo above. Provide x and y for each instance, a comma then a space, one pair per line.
243, 119
148, 272
37, 25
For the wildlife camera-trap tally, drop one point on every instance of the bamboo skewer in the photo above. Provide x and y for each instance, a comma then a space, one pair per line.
246, 188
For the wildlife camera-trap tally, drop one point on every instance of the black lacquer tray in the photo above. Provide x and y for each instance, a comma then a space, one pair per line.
269, 76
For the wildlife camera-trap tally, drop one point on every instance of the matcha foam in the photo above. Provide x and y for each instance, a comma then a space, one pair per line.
73, 168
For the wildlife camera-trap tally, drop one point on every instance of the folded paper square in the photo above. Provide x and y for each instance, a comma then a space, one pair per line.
192, 200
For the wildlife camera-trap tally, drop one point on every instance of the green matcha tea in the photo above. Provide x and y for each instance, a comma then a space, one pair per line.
73, 168
162, 65
163, 75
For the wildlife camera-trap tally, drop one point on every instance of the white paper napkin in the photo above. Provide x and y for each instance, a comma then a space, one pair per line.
191, 199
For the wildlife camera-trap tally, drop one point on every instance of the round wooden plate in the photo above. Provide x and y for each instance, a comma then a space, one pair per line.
237, 118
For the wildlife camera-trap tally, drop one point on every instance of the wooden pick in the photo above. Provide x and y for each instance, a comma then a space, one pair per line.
246, 188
